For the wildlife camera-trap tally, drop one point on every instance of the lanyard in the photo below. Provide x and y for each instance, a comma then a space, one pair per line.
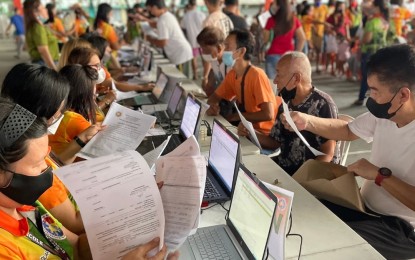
56, 250
242, 105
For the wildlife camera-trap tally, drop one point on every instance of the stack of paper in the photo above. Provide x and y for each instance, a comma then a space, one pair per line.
183, 172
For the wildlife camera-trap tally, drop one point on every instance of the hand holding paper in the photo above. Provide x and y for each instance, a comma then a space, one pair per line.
125, 130
294, 127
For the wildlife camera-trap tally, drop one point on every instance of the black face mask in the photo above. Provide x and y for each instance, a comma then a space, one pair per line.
27, 189
381, 110
288, 95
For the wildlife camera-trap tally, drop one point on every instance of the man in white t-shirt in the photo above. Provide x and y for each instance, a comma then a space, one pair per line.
192, 24
170, 35
389, 187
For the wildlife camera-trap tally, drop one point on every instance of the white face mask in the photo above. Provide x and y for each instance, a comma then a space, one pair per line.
208, 57
101, 76
54, 127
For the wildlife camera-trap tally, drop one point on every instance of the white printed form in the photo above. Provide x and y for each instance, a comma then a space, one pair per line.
126, 129
248, 125
184, 177
119, 201
294, 127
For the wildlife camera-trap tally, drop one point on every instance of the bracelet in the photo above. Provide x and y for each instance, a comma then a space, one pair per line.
79, 141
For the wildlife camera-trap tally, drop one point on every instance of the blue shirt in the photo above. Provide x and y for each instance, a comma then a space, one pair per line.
17, 21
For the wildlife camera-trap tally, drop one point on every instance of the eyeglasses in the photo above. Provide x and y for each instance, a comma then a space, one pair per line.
97, 66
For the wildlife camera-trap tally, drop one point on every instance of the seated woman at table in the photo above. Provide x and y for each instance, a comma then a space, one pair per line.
82, 108
24, 176
68, 47
101, 45
89, 57
43, 92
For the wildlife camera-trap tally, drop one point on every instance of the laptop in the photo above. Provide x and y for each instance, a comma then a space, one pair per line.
167, 115
147, 98
222, 165
189, 126
246, 233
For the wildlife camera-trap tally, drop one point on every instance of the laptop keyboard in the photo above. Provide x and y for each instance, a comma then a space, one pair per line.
161, 116
209, 244
173, 143
210, 190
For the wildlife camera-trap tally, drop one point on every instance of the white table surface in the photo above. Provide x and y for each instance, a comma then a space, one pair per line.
325, 236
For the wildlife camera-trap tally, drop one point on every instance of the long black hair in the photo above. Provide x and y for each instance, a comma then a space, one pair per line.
81, 97
284, 18
37, 88
102, 14
50, 8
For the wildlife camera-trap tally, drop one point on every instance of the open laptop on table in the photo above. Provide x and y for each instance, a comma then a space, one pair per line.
222, 165
168, 114
189, 126
246, 233
147, 98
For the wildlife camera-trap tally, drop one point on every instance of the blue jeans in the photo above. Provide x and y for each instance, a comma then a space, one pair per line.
270, 65
363, 84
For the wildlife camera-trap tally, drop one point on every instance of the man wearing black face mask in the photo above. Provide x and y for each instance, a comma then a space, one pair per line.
294, 86
389, 187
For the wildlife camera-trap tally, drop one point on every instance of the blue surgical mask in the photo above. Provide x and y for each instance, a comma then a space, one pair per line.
228, 59
42, 19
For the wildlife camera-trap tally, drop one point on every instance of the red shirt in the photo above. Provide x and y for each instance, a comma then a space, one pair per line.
285, 42
339, 26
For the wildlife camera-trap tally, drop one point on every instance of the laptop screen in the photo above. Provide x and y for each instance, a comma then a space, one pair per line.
190, 117
251, 213
160, 85
223, 154
174, 100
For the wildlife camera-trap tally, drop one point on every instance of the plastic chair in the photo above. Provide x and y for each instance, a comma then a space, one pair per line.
344, 145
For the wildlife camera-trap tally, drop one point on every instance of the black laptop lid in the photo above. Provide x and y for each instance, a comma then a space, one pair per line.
174, 100
191, 118
224, 155
251, 213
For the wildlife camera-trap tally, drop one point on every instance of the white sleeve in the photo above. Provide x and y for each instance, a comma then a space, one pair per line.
364, 126
163, 29
183, 22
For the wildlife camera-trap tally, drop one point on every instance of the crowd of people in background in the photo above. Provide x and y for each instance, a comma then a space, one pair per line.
338, 36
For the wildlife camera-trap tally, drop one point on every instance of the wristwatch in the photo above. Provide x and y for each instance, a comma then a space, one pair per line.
383, 173
79, 141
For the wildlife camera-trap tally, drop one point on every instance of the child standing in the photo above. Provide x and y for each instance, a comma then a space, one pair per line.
343, 55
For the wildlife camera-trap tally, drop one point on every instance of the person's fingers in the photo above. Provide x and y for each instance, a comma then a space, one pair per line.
160, 184
173, 255
160, 255
147, 247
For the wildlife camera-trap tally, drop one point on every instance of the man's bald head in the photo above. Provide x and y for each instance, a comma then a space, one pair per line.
296, 62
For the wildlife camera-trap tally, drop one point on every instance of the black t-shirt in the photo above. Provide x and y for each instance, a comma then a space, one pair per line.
238, 21
293, 151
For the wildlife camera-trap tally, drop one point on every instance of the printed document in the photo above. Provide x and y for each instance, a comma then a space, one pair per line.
125, 130
276, 239
248, 125
294, 127
119, 201
183, 172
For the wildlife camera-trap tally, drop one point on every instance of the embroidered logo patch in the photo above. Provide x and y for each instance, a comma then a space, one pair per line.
51, 229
